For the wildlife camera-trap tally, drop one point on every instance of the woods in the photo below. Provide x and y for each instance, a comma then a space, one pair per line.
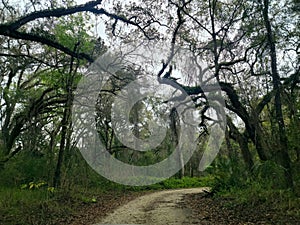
243, 54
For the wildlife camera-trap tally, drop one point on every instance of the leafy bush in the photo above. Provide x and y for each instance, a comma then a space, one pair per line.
227, 175
24, 168
269, 174
185, 182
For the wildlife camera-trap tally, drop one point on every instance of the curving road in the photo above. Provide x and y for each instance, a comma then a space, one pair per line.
159, 208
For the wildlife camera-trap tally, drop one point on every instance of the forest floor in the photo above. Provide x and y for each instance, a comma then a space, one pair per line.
227, 211
181, 206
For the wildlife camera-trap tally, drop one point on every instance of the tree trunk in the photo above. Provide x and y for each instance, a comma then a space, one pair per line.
282, 153
174, 120
243, 143
65, 124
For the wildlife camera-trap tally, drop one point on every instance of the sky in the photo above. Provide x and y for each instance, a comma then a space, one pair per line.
100, 29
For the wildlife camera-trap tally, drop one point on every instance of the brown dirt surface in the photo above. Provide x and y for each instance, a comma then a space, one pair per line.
90, 213
175, 207
158, 208
207, 210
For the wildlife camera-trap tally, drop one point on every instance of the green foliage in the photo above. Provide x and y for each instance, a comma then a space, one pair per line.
269, 174
293, 138
232, 175
175, 183
72, 30
37, 185
89, 199
33, 185
25, 168
19, 206
171, 183
264, 187
227, 174
256, 194
33, 168
186, 182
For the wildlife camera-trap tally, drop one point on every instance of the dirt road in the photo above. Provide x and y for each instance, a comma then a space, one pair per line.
159, 208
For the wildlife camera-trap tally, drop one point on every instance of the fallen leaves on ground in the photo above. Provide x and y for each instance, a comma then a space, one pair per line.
225, 211
90, 213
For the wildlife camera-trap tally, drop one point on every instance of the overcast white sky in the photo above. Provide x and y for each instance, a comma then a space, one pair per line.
100, 29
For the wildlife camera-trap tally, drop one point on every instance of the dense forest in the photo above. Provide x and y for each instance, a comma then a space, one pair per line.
236, 61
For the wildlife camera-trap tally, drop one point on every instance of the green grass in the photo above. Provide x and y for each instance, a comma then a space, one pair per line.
29, 206
40, 205
186, 182
264, 188
255, 195
171, 183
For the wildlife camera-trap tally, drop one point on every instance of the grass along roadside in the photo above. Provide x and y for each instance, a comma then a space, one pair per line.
35, 204
61, 207
40, 205
251, 205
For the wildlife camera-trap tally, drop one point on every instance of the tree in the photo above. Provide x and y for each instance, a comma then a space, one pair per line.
238, 49
240, 40
39, 83
282, 155
19, 28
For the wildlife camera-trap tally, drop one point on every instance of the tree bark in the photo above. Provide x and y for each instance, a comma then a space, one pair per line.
65, 124
175, 135
282, 154
242, 140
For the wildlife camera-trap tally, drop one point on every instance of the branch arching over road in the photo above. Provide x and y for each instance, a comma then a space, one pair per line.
11, 29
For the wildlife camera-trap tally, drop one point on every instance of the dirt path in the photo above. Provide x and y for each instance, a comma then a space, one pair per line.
160, 208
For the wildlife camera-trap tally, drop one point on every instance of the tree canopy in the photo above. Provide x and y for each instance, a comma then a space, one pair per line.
251, 48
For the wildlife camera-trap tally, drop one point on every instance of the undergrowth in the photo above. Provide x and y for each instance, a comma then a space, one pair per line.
35, 203
264, 187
